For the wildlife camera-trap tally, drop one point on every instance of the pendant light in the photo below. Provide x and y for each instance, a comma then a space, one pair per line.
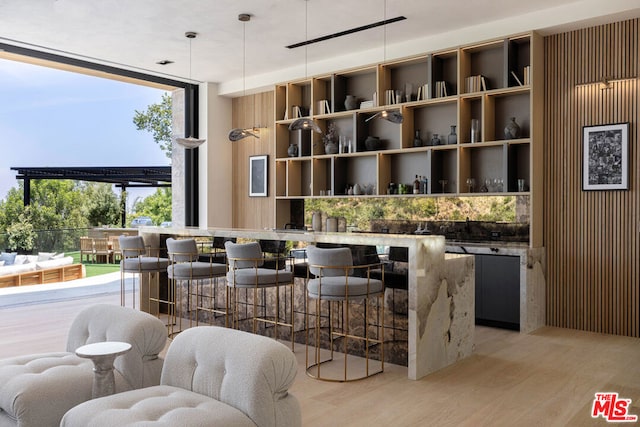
391, 116
305, 123
190, 141
237, 134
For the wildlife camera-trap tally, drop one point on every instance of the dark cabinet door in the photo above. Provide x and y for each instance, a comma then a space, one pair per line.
498, 291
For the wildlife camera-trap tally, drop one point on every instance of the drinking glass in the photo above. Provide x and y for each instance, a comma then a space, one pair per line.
471, 183
520, 185
443, 184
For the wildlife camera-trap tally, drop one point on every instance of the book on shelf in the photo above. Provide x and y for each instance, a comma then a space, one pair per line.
527, 75
476, 83
441, 89
366, 104
322, 107
389, 97
515, 76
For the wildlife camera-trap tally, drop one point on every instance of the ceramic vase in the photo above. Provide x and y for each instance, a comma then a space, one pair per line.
350, 102
512, 129
292, 151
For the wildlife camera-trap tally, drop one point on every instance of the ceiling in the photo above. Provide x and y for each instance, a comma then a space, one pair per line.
136, 34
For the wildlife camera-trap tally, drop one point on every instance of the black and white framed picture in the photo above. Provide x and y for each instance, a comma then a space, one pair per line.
605, 157
258, 176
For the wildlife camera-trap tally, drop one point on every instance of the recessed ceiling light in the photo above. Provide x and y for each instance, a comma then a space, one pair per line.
164, 62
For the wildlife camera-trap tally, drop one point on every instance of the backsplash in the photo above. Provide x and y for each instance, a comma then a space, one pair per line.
468, 231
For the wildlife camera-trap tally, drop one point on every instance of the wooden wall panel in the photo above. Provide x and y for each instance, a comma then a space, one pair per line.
253, 212
592, 238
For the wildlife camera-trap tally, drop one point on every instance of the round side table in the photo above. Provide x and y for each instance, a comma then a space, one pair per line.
102, 354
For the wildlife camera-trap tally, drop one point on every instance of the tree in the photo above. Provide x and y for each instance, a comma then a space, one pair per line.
156, 206
103, 205
157, 120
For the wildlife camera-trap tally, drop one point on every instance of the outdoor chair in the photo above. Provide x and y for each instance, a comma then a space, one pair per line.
101, 249
86, 249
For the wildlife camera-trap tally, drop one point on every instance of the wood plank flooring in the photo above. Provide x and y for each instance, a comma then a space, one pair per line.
547, 378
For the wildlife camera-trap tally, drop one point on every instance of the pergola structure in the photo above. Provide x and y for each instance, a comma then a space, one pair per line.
121, 176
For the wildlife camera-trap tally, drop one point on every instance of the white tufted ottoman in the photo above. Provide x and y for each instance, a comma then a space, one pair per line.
211, 377
36, 390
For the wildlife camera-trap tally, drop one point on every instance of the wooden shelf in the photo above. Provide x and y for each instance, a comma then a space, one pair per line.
399, 161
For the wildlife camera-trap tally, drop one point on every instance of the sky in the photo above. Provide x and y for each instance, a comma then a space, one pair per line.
54, 118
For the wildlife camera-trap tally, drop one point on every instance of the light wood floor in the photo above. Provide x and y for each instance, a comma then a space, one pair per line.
542, 379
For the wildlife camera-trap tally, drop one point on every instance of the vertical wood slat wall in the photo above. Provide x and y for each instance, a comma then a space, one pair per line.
247, 111
592, 238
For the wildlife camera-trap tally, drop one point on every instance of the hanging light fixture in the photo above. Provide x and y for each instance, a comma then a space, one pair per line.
391, 116
237, 134
190, 141
305, 123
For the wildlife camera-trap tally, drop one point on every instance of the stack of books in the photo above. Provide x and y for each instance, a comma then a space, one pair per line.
527, 75
475, 83
441, 89
322, 107
423, 92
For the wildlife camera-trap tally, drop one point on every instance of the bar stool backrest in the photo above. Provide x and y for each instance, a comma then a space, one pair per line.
244, 251
132, 246
339, 257
183, 250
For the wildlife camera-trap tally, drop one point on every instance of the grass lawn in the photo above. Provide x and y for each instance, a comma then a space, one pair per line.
94, 269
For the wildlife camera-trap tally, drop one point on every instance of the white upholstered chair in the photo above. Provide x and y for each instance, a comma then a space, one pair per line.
212, 376
37, 389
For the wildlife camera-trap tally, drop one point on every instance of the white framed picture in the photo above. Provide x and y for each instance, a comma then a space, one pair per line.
258, 176
605, 157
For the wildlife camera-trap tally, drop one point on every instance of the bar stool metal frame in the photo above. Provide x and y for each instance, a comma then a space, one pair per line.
137, 259
246, 271
334, 267
184, 265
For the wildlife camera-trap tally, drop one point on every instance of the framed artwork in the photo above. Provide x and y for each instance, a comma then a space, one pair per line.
258, 176
605, 157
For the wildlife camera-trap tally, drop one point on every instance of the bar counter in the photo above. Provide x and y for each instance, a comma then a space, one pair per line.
440, 291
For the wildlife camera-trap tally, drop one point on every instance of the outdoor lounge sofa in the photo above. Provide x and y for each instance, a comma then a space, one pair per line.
46, 267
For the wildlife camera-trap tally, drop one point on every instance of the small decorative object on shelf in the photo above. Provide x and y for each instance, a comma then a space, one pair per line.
416, 185
475, 130
372, 143
357, 190
330, 140
292, 151
512, 129
452, 138
417, 142
435, 139
350, 102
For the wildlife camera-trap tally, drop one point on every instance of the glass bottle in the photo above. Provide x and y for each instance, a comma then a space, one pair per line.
417, 142
416, 185
452, 138
435, 140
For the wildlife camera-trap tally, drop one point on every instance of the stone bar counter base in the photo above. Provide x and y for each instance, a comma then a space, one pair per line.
441, 288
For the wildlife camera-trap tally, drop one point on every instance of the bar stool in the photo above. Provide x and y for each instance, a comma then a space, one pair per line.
184, 266
335, 284
246, 271
136, 259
